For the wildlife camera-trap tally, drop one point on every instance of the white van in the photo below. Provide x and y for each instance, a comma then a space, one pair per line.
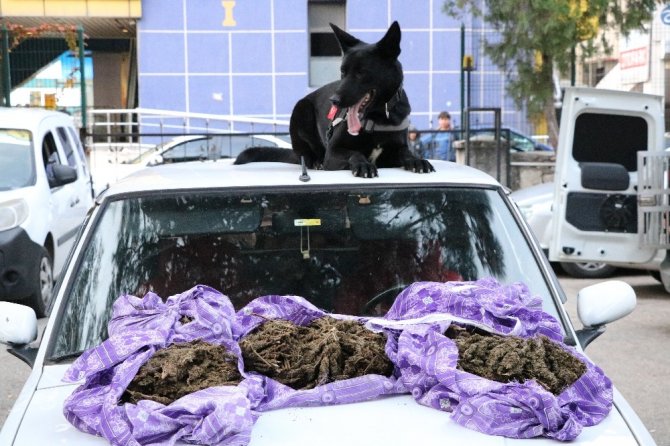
611, 194
45, 192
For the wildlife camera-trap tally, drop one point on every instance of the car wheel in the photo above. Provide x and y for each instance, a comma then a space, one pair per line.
588, 270
44, 284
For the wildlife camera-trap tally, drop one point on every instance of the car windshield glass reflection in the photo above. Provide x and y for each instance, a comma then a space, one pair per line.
17, 168
347, 251
522, 143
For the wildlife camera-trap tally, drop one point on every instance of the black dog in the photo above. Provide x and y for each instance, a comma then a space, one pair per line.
358, 122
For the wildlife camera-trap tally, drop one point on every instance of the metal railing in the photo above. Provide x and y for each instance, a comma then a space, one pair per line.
134, 125
653, 199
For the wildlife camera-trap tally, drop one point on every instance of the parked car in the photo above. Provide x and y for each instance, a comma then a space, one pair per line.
536, 203
181, 149
519, 142
348, 245
45, 192
199, 147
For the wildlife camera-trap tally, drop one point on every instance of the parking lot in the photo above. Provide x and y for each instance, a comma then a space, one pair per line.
633, 352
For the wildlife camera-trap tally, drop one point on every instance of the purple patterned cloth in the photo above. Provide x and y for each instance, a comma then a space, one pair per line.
425, 363
301, 312
139, 327
427, 360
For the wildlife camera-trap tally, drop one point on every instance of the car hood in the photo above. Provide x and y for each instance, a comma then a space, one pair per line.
538, 193
397, 421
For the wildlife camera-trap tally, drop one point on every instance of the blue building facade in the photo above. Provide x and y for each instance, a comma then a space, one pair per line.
252, 58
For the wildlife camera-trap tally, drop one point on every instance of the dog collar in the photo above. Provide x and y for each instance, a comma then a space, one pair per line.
370, 126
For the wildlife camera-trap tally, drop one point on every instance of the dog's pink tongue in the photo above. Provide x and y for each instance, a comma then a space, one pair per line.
353, 123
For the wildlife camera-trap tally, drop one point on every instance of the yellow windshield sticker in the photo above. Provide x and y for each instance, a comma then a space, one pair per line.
307, 222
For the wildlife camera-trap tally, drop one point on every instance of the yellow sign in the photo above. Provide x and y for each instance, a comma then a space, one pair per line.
307, 222
71, 8
228, 19
50, 101
468, 62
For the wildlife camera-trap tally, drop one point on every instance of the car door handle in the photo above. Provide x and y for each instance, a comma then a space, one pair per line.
74, 202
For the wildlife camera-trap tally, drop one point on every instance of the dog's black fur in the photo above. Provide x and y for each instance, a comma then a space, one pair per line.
323, 130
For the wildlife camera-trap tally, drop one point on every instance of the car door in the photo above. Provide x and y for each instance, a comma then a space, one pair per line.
82, 161
595, 215
77, 159
68, 203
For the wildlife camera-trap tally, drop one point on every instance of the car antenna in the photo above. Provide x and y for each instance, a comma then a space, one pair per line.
303, 176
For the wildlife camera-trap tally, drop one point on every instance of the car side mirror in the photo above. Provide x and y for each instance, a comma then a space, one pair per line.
18, 324
156, 160
61, 175
601, 304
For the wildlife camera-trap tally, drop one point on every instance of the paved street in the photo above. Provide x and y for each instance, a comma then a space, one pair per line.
633, 352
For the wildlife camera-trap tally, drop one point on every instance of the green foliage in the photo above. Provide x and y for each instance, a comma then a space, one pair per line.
534, 36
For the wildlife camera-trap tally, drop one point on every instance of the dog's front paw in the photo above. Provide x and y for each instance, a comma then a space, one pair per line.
418, 166
364, 170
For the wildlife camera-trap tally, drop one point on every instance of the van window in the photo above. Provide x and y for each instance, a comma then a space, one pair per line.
600, 137
80, 149
50, 156
67, 146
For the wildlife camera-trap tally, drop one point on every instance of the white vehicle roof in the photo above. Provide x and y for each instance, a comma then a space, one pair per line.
222, 173
27, 118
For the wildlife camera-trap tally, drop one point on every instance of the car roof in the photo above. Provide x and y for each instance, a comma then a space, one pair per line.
489, 128
212, 174
26, 118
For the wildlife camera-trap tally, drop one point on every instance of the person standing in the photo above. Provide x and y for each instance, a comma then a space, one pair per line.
414, 142
438, 144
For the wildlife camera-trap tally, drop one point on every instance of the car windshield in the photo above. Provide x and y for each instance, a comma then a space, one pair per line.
349, 251
522, 143
17, 167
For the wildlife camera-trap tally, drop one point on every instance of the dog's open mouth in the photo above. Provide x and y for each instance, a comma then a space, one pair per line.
355, 113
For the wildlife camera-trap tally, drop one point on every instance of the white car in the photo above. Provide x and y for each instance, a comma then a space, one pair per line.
518, 141
348, 246
113, 167
536, 205
45, 192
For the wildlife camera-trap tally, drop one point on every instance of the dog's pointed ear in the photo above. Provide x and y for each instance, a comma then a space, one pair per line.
346, 40
389, 45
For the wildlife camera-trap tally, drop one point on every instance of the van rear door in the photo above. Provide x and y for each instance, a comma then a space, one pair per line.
595, 215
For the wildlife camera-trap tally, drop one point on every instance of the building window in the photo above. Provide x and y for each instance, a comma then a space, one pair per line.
324, 51
594, 72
